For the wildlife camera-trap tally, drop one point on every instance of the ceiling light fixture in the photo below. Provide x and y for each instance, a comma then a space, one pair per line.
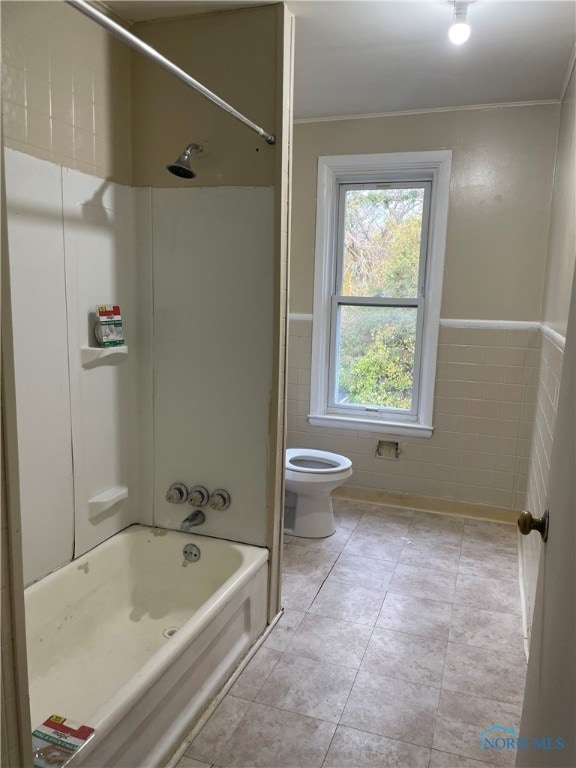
460, 30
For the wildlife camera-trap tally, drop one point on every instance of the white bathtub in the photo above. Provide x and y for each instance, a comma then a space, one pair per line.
97, 652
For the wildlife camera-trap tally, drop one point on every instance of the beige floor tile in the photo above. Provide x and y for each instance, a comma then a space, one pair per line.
462, 718
308, 687
431, 553
489, 562
254, 675
335, 543
393, 708
389, 520
406, 657
475, 540
487, 594
282, 634
486, 674
347, 514
275, 738
351, 748
283, 710
212, 738
502, 534
493, 630
298, 591
362, 571
423, 582
446, 760
348, 602
311, 561
331, 641
415, 615
188, 762
381, 546
446, 526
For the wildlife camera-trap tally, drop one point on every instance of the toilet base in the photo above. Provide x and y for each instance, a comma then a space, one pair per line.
314, 518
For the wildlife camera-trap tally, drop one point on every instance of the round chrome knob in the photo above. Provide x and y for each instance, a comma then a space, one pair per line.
198, 496
220, 499
177, 493
528, 523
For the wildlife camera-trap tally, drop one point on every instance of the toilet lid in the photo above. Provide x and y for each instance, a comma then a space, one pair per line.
315, 462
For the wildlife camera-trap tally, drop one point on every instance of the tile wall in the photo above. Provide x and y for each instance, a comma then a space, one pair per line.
65, 89
485, 395
552, 357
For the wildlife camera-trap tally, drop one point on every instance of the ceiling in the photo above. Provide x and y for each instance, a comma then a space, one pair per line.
357, 57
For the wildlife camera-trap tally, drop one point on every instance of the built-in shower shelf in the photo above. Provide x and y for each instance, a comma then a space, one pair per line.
94, 356
104, 501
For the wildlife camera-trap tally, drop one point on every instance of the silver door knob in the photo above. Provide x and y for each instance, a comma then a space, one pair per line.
527, 523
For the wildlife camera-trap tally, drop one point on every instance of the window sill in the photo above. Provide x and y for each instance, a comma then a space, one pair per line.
371, 425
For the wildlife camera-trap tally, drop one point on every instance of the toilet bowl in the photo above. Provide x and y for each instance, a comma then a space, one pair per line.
312, 476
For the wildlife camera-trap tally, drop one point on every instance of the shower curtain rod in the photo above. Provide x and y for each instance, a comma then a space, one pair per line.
130, 39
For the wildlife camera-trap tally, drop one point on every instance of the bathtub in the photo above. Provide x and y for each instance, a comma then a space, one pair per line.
134, 640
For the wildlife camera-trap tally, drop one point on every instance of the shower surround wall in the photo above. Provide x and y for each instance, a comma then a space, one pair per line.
66, 105
489, 345
72, 243
215, 351
211, 337
219, 285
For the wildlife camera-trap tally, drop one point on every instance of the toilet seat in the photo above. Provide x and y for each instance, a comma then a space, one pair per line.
310, 461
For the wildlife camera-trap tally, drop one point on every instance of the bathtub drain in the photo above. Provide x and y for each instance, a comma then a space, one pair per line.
170, 631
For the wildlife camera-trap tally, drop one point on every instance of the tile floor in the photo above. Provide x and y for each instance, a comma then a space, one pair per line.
401, 640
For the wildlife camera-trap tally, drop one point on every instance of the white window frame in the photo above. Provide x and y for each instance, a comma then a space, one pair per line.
333, 171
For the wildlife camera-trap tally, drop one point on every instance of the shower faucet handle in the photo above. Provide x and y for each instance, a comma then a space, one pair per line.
177, 493
198, 496
220, 499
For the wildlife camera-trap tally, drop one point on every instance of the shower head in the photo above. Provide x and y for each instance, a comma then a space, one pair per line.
181, 167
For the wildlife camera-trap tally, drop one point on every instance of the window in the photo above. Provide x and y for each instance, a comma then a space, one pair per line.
381, 226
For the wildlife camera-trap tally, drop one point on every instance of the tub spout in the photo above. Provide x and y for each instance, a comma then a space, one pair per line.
194, 518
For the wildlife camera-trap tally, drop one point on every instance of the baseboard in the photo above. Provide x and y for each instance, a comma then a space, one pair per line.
428, 504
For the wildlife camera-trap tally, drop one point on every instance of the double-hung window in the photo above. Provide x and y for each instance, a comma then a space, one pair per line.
381, 226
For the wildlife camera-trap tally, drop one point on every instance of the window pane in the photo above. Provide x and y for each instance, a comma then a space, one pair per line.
382, 232
375, 364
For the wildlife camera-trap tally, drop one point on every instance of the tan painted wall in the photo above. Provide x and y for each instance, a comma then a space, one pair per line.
562, 242
65, 89
233, 53
503, 160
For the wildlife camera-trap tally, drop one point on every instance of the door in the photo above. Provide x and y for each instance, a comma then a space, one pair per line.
550, 700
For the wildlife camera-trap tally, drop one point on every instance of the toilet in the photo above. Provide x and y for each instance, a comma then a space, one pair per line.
311, 476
